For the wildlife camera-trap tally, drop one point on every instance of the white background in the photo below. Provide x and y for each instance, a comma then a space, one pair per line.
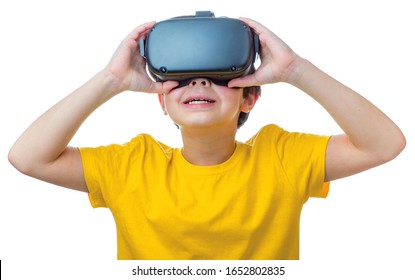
365, 228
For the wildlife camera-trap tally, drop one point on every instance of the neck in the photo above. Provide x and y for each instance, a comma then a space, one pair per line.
202, 147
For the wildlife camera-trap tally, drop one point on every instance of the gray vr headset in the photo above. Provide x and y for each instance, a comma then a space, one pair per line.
217, 48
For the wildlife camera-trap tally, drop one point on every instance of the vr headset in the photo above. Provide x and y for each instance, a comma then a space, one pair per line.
217, 48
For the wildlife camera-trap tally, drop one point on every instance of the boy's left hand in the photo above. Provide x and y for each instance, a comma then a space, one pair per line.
278, 60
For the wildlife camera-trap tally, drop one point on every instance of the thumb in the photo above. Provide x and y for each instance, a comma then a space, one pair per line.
164, 87
246, 81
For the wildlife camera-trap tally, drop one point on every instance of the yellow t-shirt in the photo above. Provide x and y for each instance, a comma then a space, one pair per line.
245, 208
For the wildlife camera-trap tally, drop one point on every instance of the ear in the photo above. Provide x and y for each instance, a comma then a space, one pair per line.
162, 103
249, 102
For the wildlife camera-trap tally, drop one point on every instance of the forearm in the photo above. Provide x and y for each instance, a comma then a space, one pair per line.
45, 140
367, 127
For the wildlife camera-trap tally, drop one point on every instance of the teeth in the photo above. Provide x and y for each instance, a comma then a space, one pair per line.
198, 101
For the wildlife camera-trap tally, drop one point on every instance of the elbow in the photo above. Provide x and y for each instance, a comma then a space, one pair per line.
396, 146
401, 144
14, 160
18, 161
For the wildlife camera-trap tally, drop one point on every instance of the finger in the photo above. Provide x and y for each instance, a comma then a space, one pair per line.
258, 28
163, 87
131, 41
139, 30
246, 81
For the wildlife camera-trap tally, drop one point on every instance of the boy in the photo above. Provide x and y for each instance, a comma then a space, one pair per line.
215, 198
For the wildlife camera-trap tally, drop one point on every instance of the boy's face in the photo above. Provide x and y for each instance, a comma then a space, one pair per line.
204, 104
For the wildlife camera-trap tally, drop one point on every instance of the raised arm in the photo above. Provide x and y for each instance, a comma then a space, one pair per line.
370, 138
42, 150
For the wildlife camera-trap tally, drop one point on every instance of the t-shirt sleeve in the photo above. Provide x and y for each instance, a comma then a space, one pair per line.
98, 163
303, 158
106, 169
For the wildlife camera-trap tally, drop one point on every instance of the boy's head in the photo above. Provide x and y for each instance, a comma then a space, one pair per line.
218, 49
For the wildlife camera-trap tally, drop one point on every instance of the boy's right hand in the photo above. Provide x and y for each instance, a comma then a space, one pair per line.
127, 69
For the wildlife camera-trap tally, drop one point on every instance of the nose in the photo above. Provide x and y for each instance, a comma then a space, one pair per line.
200, 81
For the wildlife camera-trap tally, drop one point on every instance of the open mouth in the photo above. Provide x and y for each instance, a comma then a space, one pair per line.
197, 101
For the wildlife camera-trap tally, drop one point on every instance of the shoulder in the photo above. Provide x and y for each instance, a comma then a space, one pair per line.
269, 131
274, 137
138, 145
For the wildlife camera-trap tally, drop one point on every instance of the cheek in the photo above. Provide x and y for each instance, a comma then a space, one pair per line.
172, 97
234, 95
226, 90
171, 104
